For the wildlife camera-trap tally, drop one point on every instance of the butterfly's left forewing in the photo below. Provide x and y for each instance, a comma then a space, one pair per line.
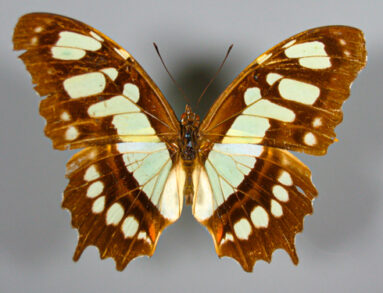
122, 189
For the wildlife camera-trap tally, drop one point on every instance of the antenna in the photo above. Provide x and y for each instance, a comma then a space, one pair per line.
215, 75
171, 77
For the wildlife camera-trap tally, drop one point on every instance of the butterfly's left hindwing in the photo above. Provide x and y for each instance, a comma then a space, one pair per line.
121, 198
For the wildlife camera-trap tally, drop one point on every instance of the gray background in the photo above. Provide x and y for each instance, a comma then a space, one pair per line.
341, 247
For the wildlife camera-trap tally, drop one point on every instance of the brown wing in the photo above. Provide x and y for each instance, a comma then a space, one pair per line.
291, 96
253, 199
121, 197
122, 188
97, 93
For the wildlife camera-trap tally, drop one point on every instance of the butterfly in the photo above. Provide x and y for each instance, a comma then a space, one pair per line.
138, 162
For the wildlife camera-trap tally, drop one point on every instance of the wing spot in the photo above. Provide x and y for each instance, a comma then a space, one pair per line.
259, 217
114, 214
347, 53
298, 91
280, 193
98, 205
289, 44
91, 173
96, 36
71, 133
130, 226
317, 122
34, 41
65, 116
111, 72
252, 95
309, 139
95, 189
342, 42
315, 62
84, 85
38, 29
276, 209
271, 78
63, 53
228, 237
307, 49
263, 58
124, 54
144, 236
79, 41
242, 229
285, 178
131, 91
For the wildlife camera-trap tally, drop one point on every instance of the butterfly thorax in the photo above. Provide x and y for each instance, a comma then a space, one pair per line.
188, 139
189, 148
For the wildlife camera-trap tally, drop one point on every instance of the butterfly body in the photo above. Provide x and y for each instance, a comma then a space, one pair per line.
139, 162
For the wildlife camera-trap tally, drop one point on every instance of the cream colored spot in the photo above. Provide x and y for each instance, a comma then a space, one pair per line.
114, 214
314, 48
130, 226
34, 41
289, 44
95, 189
263, 58
315, 62
271, 78
242, 229
285, 178
317, 122
96, 36
38, 29
124, 54
267, 109
342, 42
228, 237
347, 53
98, 205
252, 95
71, 133
112, 106
63, 53
298, 91
280, 193
79, 41
85, 85
247, 129
276, 209
309, 139
135, 124
259, 217
91, 173
111, 72
65, 116
144, 236
132, 92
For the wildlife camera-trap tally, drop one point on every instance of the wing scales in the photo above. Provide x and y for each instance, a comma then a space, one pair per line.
264, 207
291, 96
113, 204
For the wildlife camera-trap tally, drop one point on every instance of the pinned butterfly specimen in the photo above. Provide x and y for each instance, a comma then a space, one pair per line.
138, 161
